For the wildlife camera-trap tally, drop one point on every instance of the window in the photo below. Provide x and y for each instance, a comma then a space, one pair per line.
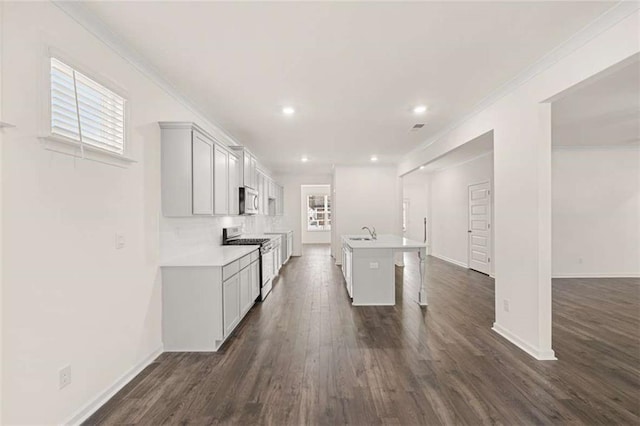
319, 213
84, 111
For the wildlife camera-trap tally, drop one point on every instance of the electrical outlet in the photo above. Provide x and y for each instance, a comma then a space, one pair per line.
120, 242
505, 305
65, 376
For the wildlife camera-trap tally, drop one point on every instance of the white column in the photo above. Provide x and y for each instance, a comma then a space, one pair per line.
522, 227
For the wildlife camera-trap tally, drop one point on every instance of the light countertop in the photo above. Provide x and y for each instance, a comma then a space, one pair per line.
383, 242
279, 231
214, 256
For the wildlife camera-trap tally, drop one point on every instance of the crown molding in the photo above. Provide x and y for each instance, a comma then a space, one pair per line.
608, 19
79, 13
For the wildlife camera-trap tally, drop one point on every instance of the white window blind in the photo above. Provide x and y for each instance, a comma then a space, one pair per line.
86, 111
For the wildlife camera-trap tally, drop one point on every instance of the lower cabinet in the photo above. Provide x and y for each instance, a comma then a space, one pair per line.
289, 245
254, 271
202, 305
246, 302
347, 269
231, 290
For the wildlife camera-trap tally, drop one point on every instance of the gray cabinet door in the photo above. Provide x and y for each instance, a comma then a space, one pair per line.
234, 184
231, 303
221, 180
245, 290
202, 160
254, 270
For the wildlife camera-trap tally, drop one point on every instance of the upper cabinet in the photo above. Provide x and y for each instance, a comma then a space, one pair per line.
249, 166
202, 177
234, 184
195, 172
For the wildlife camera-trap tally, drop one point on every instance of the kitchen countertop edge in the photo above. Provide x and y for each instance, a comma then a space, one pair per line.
214, 257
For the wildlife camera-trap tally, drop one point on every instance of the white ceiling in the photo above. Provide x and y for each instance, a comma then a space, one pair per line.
352, 70
603, 112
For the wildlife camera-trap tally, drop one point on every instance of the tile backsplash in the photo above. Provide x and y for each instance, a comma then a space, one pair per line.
185, 235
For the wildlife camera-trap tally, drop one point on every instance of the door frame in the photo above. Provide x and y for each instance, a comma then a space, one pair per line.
491, 269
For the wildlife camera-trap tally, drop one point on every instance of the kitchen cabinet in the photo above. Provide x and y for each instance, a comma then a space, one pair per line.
246, 302
234, 185
249, 165
347, 263
194, 172
202, 160
254, 275
289, 245
231, 303
203, 303
263, 194
221, 180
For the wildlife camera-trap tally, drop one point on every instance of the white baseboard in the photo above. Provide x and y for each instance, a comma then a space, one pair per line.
447, 259
595, 275
540, 355
84, 413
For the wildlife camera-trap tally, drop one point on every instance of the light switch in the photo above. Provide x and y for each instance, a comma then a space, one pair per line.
119, 240
373, 265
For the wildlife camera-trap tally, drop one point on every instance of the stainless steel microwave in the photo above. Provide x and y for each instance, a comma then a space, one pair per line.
249, 201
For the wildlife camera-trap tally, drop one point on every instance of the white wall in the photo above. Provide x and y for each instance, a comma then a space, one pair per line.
292, 218
416, 193
366, 196
313, 237
69, 296
1, 221
596, 212
521, 123
449, 207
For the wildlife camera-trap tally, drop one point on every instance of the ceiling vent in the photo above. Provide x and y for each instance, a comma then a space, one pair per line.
417, 127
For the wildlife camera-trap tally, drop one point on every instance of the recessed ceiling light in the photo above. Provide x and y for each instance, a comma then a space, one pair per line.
288, 110
421, 167
419, 109
374, 158
304, 159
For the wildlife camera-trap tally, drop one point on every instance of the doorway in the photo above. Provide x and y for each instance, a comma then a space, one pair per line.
316, 214
479, 230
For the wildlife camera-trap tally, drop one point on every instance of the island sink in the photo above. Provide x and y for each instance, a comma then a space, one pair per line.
368, 266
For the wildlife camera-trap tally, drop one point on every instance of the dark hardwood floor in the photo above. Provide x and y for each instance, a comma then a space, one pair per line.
306, 356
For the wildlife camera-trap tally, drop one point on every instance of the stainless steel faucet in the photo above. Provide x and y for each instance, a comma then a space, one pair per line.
373, 234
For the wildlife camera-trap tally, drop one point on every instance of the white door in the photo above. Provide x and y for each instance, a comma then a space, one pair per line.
480, 227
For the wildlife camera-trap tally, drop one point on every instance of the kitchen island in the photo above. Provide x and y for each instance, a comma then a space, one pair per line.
369, 268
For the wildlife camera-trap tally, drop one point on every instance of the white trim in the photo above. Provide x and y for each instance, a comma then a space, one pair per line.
5, 125
92, 406
79, 13
596, 275
72, 148
540, 355
605, 21
447, 259
631, 147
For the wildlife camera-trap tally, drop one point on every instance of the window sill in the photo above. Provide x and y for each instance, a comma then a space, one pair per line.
72, 148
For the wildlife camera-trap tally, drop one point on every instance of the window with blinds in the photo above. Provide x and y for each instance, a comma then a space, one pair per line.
85, 111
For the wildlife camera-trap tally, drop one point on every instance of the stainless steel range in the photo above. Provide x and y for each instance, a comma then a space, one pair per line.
233, 236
